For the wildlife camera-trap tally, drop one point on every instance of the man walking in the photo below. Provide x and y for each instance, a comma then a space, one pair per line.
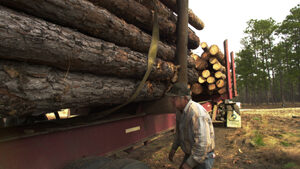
194, 130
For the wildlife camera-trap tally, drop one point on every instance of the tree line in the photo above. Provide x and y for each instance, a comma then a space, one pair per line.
268, 66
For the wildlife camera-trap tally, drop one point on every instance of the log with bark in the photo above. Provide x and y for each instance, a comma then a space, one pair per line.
204, 46
201, 80
220, 75
194, 20
220, 83
214, 50
162, 9
205, 55
91, 20
137, 14
205, 73
33, 40
210, 80
219, 67
222, 90
196, 88
28, 89
200, 63
211, 87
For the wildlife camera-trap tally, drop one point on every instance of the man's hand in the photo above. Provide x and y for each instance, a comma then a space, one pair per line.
186, 166
171, 155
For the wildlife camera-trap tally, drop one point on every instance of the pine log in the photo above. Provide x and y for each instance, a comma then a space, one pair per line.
213, 60
204, 46
33, 40
205, 73
137, 14
161, 9
210, 80
213, 49
205, 55
219, 67
91, 20
33, 89
195, 21
211, 87
201, 64
220, 57
220, 83
201, 80
222, 90
197, 88
220, 75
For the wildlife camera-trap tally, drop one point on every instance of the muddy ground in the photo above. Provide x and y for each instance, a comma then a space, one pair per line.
269, 138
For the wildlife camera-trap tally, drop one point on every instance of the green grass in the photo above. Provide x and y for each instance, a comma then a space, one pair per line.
290, 165
284, 143
256, 118
258, 139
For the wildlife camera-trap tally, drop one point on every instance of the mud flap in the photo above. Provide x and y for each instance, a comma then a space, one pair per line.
233, 118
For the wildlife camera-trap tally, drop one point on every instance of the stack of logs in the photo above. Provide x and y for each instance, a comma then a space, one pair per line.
57, 54
211, 67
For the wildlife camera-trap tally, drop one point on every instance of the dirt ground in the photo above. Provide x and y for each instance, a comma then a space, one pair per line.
269, 138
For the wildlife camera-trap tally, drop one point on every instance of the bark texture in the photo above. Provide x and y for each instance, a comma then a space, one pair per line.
137, 14
193, 19
34, 89
91, 20
33, 40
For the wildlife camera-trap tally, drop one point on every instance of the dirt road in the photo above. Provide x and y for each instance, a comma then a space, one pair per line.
269, 138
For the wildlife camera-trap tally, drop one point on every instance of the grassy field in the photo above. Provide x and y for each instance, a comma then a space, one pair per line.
269, 138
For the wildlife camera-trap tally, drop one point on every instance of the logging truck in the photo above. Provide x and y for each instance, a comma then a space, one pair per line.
71, 88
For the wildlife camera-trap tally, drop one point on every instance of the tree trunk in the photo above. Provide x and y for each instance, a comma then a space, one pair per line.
193, 19
27, 89
91, 20
141, 16
33, 40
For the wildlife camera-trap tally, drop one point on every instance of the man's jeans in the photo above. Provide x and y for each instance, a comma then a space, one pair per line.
207, 164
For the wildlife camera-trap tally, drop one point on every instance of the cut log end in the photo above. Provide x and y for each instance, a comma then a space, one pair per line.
201, 79
210, 80
211, 87
214, 49
220, 83
222, 90
205, 73
197, 88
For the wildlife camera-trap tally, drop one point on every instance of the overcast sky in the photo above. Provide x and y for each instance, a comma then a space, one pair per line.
226, 19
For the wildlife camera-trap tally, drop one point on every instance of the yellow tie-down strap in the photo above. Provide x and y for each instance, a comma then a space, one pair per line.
151, 60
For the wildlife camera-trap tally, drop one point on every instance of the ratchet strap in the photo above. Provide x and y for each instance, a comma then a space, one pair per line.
151, 60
